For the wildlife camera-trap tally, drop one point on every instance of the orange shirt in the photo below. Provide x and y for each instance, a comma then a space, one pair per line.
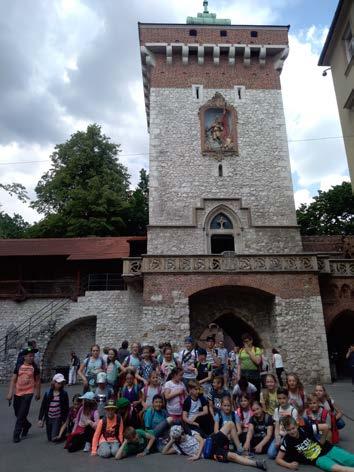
26, 379
98, 437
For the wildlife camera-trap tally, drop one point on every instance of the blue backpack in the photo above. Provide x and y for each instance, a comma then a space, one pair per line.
208, 448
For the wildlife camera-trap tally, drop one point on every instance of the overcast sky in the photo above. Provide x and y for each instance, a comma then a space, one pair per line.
68, 63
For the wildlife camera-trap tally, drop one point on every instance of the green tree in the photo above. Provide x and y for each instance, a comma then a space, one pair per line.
331, 212
86, 191
12, 227
137, 214
16, 189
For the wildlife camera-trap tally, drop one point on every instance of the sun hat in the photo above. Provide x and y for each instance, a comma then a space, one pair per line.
88, 396
110, 404
59, 378
101, 377
122, 403
176, 432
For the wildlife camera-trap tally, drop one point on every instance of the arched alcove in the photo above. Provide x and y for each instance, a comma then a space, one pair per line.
339, 337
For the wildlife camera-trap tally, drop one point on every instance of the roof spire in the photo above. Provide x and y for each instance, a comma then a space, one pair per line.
207, 18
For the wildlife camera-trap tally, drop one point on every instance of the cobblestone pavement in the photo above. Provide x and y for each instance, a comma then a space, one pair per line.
35, 454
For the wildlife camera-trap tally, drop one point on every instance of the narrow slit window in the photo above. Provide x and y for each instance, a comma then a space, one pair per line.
220, 170
239, 93
254, 34
197, 93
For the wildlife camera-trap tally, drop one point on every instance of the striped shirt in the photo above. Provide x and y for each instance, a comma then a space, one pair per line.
54, 407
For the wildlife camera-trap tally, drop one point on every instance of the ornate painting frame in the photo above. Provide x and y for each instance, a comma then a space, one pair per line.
218, 128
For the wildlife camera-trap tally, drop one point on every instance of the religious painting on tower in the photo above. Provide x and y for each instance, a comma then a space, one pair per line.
218, 122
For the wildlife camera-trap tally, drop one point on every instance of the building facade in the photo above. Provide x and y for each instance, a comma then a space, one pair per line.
338, 54
224, 252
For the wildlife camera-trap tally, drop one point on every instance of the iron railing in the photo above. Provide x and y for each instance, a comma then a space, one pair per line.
38, 288
31, 324
104, 281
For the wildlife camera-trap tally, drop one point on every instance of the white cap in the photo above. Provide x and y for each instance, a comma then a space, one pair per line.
59, 378
101, 377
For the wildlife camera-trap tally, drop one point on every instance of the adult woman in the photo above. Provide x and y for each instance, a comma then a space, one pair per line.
250, 359
278, 365
114, 369
92, 365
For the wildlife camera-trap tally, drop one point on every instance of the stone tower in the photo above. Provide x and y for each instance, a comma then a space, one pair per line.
223, 243
218, 143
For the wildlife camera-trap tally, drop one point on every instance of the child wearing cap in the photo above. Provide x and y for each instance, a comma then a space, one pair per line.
109, 433
25, 382
136, 442
84, 426
190, 445
54, 408
103, 393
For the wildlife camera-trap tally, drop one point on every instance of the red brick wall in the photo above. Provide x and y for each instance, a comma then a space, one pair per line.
211, 35
337, 297
210, 75
285, 286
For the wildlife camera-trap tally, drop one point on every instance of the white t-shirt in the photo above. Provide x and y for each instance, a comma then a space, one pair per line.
175, 404
190, 446
281, 412
223, 354
195, 406
150, 393
278, 361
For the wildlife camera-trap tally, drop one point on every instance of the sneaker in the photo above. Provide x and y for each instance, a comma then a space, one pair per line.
87, 447
25, 430
261, 464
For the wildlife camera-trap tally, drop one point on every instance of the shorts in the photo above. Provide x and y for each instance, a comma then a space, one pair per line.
335, 456
220, 447
132, 449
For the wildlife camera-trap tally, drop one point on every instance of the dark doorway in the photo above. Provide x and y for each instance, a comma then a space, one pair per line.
235, 327
340, 336
221, 243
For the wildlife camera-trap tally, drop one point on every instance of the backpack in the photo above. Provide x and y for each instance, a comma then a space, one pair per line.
116, 428
323, 419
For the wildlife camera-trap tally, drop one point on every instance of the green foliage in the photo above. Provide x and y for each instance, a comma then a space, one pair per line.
332, 212
137, 214
12, 227
16, 189
86, 191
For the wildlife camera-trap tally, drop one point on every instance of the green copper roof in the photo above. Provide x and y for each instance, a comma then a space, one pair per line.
207, 18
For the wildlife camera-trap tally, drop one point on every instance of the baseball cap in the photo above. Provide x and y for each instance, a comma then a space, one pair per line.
189, 339
28, 350
202, 352
176, 432
88, 396
101, 377
59, 378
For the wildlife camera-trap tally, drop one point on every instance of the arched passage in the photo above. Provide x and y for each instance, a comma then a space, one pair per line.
235, 310
340, 336
78, 336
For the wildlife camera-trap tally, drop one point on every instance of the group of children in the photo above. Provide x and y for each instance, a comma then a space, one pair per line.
187, 404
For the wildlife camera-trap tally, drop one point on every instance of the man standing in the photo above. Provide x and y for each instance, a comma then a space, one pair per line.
74, 365
24, 383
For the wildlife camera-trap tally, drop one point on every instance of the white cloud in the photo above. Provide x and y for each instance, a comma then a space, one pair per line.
331, 180
302, 196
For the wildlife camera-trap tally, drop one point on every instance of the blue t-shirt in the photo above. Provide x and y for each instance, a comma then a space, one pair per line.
152, 417
223, 418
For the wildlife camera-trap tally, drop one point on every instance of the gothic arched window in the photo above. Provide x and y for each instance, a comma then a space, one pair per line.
221, 221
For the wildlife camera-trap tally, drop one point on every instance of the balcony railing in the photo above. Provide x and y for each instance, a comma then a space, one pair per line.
22, 289
105, 281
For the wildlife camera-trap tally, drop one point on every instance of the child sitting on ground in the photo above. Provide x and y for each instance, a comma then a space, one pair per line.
226, 415
195, 410
70, 420
316, 414
216, 394
329, 404
155, 414
109, 433
190, 445
136, 442
260, 431
297, 395
54, 408
269, 398
244, 412
300, 445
